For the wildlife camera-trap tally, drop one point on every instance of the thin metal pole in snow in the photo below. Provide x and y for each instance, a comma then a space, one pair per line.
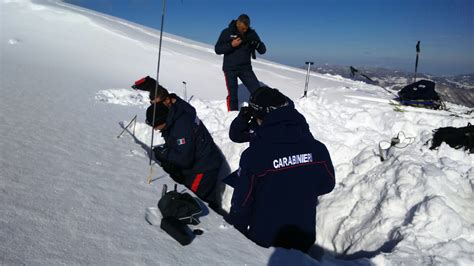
416, 63
134, 121
307, 78
185, 92
156, 88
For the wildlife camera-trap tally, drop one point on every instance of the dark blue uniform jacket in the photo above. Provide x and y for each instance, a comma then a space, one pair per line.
238, 58
189, 144
281, 175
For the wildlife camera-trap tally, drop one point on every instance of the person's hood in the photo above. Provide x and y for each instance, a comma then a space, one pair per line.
232, 24
183, 106
177, 109
284, 125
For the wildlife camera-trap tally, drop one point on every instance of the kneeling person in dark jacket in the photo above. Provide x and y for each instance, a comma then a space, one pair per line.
280, 176
189, 154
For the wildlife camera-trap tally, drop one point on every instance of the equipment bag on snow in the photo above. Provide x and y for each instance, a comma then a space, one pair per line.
181, 206
179, 210
454, 137
420, 94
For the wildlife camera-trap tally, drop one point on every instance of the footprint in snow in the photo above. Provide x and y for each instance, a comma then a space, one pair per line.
13, 41
223, 226
137, 153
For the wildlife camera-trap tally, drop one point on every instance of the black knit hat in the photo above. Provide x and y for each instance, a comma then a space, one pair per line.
266, 99
161, 113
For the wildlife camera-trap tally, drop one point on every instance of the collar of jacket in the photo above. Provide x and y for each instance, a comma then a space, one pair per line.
233, 28
177, 109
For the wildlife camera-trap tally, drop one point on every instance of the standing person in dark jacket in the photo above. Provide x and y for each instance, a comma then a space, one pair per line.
237, 43
189, 154
280, 176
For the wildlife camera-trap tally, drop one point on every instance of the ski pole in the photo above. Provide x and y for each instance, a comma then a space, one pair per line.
416, 63
307, 78
133, 120
185, 92
156, 89
355, 70
134, 125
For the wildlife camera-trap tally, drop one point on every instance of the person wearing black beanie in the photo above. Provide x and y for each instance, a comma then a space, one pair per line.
266, 99
283, 158
262, 101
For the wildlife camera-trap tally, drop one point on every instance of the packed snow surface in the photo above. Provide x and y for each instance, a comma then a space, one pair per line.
74, 193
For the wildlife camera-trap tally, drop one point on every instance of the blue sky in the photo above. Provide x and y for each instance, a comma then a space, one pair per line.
344, 32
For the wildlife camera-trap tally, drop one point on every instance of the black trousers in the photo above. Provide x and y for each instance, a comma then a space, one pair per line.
204, 185
247, 77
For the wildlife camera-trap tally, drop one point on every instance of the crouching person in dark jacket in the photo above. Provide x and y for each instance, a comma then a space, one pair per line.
189, 154
280, 176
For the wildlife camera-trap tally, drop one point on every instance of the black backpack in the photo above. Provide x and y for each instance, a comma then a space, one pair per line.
181, 206
179, 210
420, 94
454, 137
420, 90
145, 84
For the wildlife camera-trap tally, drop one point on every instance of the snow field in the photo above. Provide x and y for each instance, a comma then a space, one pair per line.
376, 206
74, 194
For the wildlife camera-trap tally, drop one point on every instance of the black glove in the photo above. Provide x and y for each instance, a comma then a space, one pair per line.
255, 44
160, 152
246, 113
174, 172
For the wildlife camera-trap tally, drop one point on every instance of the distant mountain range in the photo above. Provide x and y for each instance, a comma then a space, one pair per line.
458, 89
